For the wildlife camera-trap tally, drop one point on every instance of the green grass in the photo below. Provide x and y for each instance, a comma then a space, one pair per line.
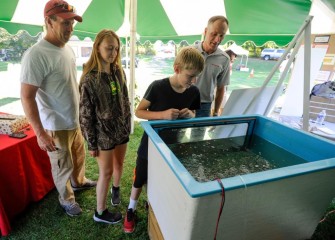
3, 66
326, 229
261, 68
238, 79
46, 219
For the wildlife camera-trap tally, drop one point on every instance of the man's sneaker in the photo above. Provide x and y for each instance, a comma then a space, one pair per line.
107, 217
72, 209
116, 199
129, 221
87, 185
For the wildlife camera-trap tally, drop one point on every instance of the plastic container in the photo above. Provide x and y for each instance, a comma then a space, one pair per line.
321, 117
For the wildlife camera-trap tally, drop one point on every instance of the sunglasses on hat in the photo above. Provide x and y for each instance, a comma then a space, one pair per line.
64, 6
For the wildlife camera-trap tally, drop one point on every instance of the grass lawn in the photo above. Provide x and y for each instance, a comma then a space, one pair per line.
47, 220
3, 66
239, 79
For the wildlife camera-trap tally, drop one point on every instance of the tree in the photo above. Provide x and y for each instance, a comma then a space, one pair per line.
17, 44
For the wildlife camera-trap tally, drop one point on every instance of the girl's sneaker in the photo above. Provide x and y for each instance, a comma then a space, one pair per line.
107, 217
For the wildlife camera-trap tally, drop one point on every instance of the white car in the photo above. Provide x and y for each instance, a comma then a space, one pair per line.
270, 53
124, 61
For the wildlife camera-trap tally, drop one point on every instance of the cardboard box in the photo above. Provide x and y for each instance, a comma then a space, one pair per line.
317, 104
12, 123
154, 230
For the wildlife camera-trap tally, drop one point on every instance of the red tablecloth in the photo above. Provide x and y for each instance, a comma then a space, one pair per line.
25, 176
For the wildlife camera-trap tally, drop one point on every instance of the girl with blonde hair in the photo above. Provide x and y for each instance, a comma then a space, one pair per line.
105, 118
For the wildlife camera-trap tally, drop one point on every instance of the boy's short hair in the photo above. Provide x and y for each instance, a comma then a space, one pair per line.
189, 58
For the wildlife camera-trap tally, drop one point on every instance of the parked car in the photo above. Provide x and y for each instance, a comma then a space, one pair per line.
124, 61
270, 53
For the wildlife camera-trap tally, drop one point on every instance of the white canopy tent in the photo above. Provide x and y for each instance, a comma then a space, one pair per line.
239, 51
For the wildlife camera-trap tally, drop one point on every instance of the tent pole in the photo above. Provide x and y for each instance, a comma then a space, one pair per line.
133, 16
274, 69
282, 77
127, 65
307, 76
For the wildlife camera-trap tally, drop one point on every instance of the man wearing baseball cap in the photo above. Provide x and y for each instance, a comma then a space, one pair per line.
61, 9
50, 99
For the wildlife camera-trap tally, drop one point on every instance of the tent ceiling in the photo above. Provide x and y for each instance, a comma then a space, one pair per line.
259, 21
330, 4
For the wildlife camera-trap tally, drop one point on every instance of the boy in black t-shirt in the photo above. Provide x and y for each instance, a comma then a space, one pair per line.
169, 98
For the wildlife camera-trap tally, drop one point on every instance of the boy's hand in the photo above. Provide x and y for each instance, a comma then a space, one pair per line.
171, 114
186, 113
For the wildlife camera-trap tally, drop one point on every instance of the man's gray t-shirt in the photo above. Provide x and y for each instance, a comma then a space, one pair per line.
215, 73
